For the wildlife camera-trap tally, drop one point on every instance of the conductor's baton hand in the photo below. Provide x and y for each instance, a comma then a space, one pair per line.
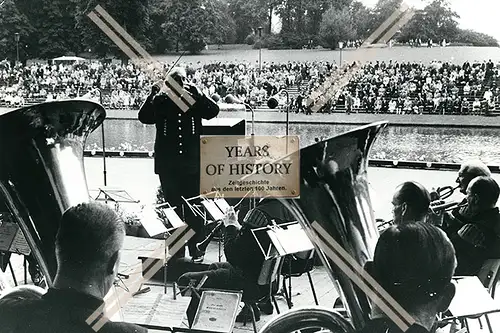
230, 218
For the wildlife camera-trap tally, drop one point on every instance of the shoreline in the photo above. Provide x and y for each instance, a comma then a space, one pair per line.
263, 116
340, 118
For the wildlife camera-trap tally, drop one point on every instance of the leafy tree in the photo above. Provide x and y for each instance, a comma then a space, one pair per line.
53, 32
192, 23
158, 16
248, 16
470, 37
336, 25
132, 15
12, 21
362, 19
382, 11
436, 21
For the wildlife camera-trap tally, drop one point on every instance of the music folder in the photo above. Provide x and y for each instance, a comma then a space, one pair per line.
217, 311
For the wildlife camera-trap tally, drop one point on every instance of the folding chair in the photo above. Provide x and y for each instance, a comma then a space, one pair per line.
305, 264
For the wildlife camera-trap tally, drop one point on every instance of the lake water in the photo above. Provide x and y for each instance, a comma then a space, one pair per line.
450, 145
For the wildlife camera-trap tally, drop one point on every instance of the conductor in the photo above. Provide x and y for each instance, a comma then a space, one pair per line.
177, 143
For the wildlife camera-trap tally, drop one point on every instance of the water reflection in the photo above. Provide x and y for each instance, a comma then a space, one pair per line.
451, 145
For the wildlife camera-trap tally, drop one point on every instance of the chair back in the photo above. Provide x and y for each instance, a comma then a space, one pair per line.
490, 274
269, 271
298, 264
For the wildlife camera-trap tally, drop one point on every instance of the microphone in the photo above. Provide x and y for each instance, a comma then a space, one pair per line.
231, 99
273, 102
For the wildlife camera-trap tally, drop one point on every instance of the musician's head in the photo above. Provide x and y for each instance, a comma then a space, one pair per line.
179, 75
470, 170
414, 263
88, 247
410, 203
482, 194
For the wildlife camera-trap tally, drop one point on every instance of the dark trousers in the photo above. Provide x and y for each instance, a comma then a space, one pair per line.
221, 275
176, 184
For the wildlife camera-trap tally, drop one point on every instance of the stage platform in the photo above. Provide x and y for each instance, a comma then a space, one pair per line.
137, 177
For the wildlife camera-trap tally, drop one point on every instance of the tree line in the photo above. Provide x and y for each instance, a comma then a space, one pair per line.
50, 28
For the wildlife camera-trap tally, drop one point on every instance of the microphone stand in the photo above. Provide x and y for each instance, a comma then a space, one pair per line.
103, 142
253, 116
252, 200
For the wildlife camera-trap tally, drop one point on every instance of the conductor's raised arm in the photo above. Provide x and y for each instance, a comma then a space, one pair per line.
147, 110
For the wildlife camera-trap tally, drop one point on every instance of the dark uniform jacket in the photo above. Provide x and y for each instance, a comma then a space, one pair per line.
241, 248
177, 144
58, 311
476, 238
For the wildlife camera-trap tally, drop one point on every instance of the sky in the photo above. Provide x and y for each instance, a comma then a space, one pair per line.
479, 15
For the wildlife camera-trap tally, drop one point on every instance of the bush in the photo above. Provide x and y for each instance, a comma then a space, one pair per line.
272, 42
474, 38
250, 39
295, 41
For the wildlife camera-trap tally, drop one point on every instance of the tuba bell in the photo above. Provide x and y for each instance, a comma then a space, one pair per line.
335, 193
41, 169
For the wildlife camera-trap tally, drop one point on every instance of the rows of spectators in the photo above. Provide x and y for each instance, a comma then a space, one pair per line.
438, 88
379, 87
127, 85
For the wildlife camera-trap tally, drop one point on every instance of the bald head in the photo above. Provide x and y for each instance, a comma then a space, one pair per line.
410, 203
470, 170
482, 193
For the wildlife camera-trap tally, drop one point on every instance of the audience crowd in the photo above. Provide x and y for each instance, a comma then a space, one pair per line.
377, 87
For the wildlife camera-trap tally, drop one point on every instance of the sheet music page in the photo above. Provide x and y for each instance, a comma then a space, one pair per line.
471, 298
213, 210
152, 223
217, 311
274, 236
222, 204
156, 309
170, 312
173, 218
8, 231
139, 309
299, 241
19, 244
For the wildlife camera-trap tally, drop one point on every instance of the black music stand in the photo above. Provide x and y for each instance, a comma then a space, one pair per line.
163, 221
281, 240
215, 209
115, 195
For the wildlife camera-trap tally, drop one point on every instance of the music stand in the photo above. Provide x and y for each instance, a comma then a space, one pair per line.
281, 240
115, 195
165, 221
215, 209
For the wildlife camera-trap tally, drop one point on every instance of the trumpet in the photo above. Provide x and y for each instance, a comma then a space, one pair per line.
445, 192
445, 206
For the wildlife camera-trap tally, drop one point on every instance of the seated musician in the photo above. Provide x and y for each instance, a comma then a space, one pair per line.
470, 170
422, 285
410, 203
475, 228
243, 254
88, 247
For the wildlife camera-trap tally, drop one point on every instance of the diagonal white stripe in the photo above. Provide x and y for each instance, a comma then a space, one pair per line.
128, 51
124, 34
